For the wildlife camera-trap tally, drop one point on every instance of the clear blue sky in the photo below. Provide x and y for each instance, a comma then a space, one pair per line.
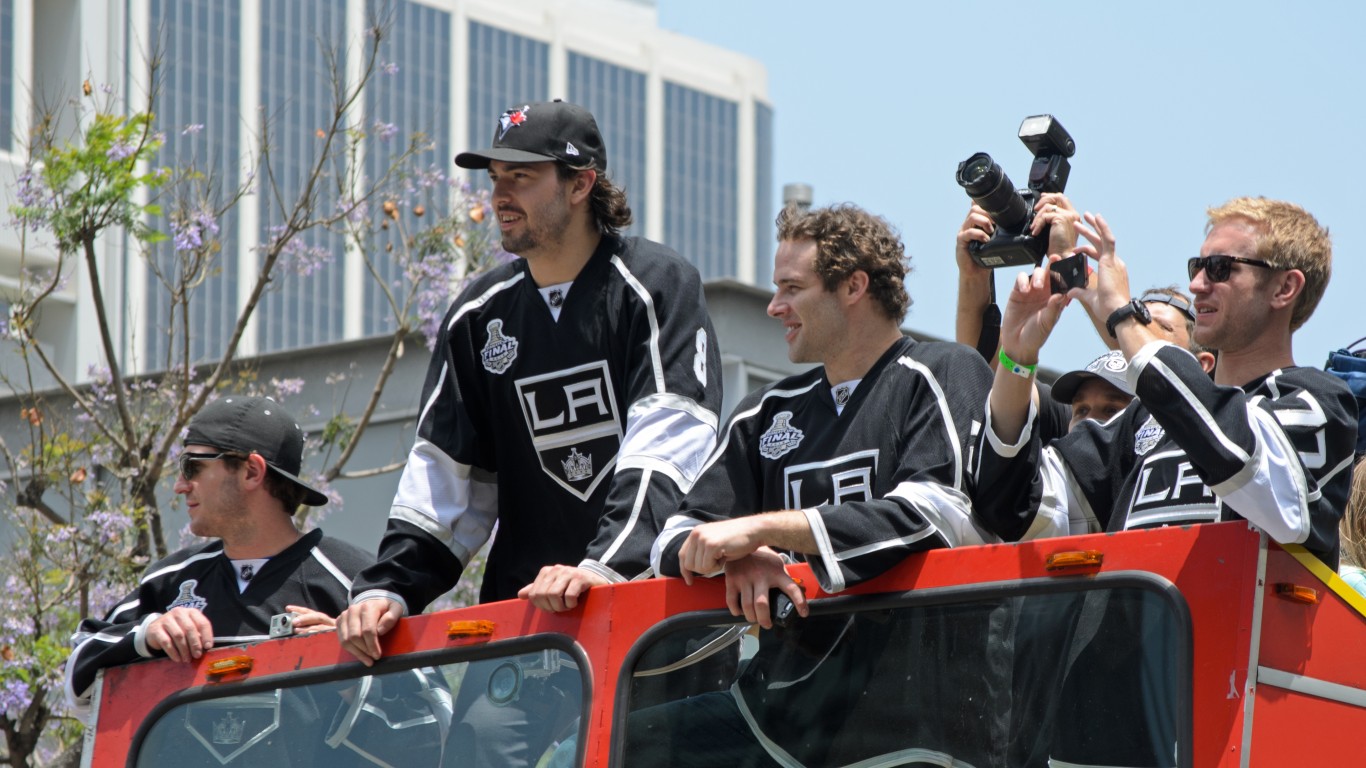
1174, 106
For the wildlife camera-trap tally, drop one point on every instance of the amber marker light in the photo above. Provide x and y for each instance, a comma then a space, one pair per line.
1081, 558
478, 628
1297, 594
232, 665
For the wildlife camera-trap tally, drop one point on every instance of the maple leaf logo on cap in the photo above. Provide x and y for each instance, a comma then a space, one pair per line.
512, 118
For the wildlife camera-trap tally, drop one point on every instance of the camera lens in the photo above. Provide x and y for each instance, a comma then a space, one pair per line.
990, 187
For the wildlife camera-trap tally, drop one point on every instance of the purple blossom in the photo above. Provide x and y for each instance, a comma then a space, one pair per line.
106, 89
388, 68
286, 387
192, 128
120, 150
186, 238
30, 190
15, 697
297, 255
355, 210
188, 233
385, 131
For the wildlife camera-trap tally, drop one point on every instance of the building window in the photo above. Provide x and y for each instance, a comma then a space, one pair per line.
505, 69
764, 232
616, 97
300, 310
7, 75
412, 93
701, 179
198, 113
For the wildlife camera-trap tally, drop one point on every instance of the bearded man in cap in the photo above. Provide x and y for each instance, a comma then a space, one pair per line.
571, 400
572, 396
239, 474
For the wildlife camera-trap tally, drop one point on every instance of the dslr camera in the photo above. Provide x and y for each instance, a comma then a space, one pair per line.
1013, 210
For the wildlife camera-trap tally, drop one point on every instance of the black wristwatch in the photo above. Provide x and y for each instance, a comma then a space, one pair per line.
1135, 309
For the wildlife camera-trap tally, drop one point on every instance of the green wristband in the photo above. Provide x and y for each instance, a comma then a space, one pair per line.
1023, 371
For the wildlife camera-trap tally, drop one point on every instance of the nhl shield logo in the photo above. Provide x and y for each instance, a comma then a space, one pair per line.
187, 598
1148, 436
780, 437
499, 351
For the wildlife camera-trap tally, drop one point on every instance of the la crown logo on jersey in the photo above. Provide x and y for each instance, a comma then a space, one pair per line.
511, 119
499, 351
187, 598
1148, 436
577, 466
780, 437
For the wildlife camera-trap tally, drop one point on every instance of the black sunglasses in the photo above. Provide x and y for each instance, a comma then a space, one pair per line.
190, 462
1219, 266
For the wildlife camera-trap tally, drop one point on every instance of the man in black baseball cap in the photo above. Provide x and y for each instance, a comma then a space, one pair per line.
253, 425
572, 398
239, 475
257, 577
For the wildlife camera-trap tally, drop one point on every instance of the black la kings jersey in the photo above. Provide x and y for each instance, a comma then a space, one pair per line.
315, 571
882, 480
569, 435
885, 478
1276, 452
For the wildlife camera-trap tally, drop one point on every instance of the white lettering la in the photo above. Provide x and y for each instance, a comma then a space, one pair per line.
853, 485
572, 392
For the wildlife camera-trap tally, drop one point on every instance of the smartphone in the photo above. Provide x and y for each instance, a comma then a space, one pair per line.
1068, 273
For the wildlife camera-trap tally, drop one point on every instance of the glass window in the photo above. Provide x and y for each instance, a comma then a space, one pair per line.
701, 211
198, 114
764, 232
304, 305
6, 75
412, 93
505, 69
616, 97
527, 703
1096, 677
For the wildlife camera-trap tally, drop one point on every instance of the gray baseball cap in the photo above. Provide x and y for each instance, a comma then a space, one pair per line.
1110, 367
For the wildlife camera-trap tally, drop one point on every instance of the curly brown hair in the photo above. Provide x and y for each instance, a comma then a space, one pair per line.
611, 211
849, 239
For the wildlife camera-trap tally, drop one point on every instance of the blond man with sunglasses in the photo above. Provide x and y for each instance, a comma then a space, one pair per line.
1263, 440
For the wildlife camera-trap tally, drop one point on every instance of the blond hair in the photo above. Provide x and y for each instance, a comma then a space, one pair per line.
1353, 528
1291, 238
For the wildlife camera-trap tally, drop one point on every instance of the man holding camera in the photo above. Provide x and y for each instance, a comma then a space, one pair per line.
1263, 440
1173, 317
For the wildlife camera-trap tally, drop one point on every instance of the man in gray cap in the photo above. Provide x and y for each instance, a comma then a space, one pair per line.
239, 474
1096, 392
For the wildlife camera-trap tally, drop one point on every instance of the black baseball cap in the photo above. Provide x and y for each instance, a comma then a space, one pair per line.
540, 131
1110, 367
254, 425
